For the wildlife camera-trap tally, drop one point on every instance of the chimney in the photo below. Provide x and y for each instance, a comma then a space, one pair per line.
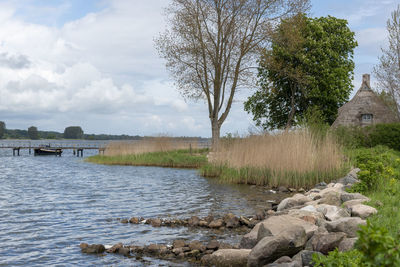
366, 81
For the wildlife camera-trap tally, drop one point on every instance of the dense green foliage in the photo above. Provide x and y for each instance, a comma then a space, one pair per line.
2, 129
378, 243
387, 134
173, 159
33, 133
338, 259
73, 132
310, 66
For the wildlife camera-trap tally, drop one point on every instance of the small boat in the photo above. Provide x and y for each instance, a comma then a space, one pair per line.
47, 150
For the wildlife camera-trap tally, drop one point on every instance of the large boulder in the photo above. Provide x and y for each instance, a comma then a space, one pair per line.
227, 257
331, 212
348, 225
284, 261
249, 240
362, 211
270, 248
325, 242
313, 217
276, 225
348, 204
350, 196
331, 198
290, 202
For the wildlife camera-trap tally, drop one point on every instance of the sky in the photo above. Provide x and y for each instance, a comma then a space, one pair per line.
93, 63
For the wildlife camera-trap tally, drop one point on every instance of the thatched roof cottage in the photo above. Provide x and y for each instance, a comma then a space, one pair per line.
365, 108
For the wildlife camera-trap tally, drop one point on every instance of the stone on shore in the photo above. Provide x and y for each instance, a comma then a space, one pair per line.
290, 202
349, 225
351, 196
347, 244
249, 240
92, 249
276, 225
325, 242
305, 257
331, 212
227, 257
216, 223
231, 221
194, 221
179, 243
270, 248
348, 204
331, 198
134, 220
362, 211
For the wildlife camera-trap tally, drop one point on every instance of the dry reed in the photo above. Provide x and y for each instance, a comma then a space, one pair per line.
279, 159
149, 144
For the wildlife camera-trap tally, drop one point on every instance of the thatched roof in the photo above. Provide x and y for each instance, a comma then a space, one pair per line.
365, 108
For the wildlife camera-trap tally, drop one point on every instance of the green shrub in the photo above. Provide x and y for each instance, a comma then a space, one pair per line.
378, 165
377, 246
338, 259
379, 134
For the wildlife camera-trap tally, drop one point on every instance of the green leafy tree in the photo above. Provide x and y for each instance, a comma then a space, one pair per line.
73, 132
308, 67
2, 129
33, 133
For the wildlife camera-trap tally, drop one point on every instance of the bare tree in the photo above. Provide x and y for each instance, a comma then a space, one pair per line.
211, 47
388, 69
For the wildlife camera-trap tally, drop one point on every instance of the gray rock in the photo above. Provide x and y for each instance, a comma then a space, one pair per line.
305, 257
348, 179
349, 225
270, 248
347, 244
92, 249
179, 243
350, 203
276, 225
331, 212
227, 257
331, 198
231, 221
197, 245
212, 245
194, 221
249, 240
290, 202
362, 211
351, 196
216, 223
325, 242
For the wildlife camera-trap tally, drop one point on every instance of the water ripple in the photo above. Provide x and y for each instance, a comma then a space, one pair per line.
49, 205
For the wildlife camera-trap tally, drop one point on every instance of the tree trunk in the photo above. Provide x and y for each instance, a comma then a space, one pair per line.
215, 129
291, 113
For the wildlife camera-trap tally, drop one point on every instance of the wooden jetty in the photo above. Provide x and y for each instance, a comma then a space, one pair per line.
77, 149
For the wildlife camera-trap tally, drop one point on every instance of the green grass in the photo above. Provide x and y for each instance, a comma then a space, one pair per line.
271, 178
173, 159
380, 181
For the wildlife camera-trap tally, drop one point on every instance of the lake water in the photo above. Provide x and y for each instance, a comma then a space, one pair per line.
49, 205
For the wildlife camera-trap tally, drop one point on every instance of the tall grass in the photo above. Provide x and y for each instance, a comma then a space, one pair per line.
154, 151
297, 159
148, 145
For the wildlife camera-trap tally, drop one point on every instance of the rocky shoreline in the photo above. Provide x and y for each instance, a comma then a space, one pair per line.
287, 235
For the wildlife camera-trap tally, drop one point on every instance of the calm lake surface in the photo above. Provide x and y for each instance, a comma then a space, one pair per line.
49, 205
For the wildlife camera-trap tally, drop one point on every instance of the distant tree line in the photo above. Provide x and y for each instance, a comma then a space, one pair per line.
72, 132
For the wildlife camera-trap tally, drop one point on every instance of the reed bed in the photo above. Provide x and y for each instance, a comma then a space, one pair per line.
295, 159
155, 151
148, 145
